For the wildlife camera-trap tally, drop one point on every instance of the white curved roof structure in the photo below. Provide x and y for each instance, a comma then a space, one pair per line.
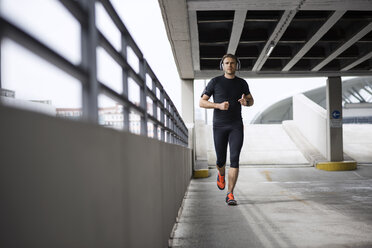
356, 101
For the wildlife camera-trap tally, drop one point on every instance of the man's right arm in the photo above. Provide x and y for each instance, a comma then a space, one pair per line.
204, 103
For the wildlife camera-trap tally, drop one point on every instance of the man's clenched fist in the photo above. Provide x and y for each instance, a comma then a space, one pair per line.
224, 105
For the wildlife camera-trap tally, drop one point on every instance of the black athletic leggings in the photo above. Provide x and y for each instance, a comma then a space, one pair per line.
231, 134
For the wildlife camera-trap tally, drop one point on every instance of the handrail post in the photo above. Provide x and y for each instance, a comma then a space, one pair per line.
173, 121
89, 40
155, 109
143, 96
168, 121
162, 113
126, 110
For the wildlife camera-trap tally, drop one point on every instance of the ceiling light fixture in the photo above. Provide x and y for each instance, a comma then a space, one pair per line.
270, 49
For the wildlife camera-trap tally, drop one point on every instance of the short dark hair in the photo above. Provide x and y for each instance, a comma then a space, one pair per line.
229, 55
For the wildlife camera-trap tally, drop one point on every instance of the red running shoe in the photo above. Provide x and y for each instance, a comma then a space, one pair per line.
220, 181
230, 199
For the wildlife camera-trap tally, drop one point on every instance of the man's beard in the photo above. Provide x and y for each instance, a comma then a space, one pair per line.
231, 72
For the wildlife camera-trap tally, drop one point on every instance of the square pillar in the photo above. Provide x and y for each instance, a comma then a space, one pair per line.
334, 120
187, 107
187, 100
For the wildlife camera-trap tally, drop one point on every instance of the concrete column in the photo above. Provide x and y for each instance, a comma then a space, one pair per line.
187, 100
334, 120
187, 95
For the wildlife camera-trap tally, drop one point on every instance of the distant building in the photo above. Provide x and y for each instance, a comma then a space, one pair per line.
7, 97
109, 117
7, 93
69, 113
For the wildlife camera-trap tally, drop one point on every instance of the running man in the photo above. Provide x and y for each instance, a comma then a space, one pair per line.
229, 94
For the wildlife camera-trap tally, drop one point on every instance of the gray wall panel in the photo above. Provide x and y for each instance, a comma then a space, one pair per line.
72, 184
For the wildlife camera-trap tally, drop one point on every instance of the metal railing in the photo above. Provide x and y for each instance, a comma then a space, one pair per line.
172, 128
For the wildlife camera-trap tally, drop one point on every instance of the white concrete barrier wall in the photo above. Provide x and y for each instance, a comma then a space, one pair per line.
311, 119
72, 184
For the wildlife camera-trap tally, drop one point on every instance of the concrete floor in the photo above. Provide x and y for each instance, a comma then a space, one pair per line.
279, 207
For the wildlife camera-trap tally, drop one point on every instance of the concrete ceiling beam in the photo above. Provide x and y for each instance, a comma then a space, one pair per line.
315, 38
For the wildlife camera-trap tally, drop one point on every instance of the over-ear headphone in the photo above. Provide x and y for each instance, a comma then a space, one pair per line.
229, 55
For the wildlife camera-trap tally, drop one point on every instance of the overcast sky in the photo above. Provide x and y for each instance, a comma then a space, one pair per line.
34, 79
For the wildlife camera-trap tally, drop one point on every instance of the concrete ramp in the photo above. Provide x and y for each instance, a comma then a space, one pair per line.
358, 142
269, 144
266, 144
